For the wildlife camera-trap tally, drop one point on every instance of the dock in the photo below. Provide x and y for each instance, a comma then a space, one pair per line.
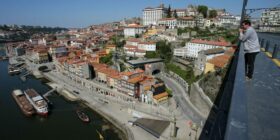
68, 95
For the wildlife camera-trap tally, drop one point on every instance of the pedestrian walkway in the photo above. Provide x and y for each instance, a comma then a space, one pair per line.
263, 96
255, 107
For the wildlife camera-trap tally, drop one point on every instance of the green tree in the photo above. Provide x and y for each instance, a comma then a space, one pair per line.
212, 13
203, 10
137, 36
107, 59
150, 54
169, 12
175, 14
164, 50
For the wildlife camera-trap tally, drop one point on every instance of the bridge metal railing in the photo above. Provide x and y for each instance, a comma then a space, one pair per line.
229, 121
228, 106
270, 45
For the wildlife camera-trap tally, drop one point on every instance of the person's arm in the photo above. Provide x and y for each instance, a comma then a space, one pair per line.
244, 36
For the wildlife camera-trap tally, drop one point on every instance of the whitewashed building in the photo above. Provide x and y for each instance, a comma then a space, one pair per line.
186, 22
133, 29
170, 23
181, 12
270, 20
147, 46
181, 22
152, 15
192, 48
181, 52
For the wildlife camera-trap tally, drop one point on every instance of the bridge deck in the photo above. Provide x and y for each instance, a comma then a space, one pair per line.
255, 105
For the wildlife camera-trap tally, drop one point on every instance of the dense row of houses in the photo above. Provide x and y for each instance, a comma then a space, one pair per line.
132, 83
82, 63
137, 47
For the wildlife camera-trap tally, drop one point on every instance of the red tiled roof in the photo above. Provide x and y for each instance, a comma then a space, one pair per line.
98, 66
135, 79
130, 47
187, 18
126, 73
133, 40
220, 61
161, 95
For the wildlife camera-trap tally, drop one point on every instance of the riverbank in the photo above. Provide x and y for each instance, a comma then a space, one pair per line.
121, 131
62, 123
125, 134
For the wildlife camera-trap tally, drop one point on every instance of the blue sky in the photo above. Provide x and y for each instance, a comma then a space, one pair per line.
82, 13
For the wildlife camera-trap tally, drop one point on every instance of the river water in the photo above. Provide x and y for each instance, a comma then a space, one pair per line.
62, 123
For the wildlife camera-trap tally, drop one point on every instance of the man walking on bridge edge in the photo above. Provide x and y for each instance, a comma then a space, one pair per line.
250, 39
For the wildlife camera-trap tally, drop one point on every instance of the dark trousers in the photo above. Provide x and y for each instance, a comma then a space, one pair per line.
249, 63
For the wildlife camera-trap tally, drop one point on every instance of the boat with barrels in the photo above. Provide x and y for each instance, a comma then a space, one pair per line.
25, 106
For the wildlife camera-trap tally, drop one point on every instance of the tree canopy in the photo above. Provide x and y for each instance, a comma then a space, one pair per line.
169, 14
175, 14
203, 10
212, 13
107, 59
164, 50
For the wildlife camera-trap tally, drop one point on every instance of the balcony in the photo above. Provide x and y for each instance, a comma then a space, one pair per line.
249, 110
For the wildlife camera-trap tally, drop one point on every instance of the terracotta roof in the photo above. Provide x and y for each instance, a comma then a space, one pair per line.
161, 95
158, 85
147, 79
115, 76
187, 18
138, 70
126, 73
62, 59
74, 61
220, 61
216, 43
98, 66
135, 79
133, 40
130, 47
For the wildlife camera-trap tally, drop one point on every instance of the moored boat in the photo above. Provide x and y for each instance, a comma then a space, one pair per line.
38, 102
82, 116
23, 102
13, 70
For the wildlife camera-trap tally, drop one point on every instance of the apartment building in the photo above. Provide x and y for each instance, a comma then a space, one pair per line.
192, 48
270, 20
152, 15
133, 29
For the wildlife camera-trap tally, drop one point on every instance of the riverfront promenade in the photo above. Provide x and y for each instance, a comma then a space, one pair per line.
119, 111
